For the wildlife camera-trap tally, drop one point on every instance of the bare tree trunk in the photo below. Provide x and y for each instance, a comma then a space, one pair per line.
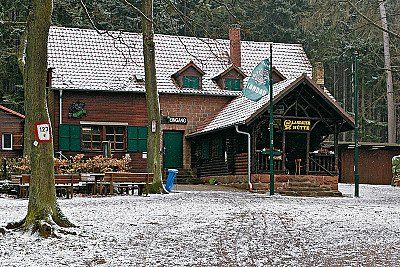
152, 98
43, 211
389, 78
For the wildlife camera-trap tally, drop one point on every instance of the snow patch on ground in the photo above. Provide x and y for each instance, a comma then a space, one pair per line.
215, 228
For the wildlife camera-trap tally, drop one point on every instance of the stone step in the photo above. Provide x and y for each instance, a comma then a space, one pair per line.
187, 177
304, 188
302, 184
312, 193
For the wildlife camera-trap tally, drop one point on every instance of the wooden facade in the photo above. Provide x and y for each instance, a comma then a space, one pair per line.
125, 110
375, 162
304, 118
100, 102
11, 133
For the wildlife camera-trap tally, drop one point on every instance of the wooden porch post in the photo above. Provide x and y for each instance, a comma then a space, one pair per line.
284, 151
336, 148
308, 153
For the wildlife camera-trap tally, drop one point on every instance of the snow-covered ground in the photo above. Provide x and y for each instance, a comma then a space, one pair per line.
216, 228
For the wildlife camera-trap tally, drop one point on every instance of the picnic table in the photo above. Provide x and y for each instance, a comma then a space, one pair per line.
91, 180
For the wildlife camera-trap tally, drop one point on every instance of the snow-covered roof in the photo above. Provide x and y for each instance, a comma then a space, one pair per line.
83, 59
241, 110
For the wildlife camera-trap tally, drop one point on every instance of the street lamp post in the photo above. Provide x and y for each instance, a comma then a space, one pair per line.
356, 143
271, 129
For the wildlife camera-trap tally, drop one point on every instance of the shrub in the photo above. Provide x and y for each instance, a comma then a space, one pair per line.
75, 164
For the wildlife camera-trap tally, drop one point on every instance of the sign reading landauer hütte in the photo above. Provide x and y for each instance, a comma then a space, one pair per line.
296, 125
258, 84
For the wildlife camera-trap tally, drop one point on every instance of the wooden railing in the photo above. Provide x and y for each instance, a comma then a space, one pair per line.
323, 164
262, 163
319, 164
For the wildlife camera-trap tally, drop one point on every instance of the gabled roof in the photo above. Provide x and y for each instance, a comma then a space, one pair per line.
243, 111
190, 64
12, 112
278, 73
82, 59
231, 67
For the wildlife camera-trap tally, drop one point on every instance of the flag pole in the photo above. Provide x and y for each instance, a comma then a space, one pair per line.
271, 128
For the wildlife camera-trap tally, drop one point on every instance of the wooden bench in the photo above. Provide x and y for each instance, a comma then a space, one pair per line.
19, 186
124, 181
65, 183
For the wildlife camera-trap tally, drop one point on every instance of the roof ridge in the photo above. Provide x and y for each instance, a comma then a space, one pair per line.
12, 112
177, 36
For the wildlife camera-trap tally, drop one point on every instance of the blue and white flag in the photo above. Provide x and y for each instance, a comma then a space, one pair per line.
258, 84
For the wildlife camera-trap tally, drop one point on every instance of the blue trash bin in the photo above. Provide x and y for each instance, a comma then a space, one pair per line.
171, 179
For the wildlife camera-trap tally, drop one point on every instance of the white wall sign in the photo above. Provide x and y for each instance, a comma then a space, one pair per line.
43, 132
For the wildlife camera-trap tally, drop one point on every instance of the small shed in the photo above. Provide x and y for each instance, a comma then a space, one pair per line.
11, 133
375, 162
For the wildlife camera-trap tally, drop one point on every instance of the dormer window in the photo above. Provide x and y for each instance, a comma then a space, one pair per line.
277, 76
230, 79
189, 77
192, 82
233, 84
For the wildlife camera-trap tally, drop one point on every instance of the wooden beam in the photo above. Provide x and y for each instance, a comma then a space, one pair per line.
336, 148
308, 153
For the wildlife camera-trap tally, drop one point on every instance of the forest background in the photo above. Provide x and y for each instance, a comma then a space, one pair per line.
329, 30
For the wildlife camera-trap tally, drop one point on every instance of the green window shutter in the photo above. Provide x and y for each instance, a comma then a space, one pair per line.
75, 137
142, 132
63, 134
132, 138
228, 84
237, 85
205, 149
232, 84
69, 137
137, 139
142, 139
142, 145
220, 147
191, 82
196, 83
186, 82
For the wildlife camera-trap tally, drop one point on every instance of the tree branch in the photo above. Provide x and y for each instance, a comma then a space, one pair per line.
228, 9
91, 21
370, 20
137, 10
13, 23
191, 23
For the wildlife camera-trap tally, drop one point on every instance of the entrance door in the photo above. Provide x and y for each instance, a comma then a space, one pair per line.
173, 149
296, 148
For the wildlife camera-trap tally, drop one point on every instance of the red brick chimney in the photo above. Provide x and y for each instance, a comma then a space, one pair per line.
235, 53
319, 74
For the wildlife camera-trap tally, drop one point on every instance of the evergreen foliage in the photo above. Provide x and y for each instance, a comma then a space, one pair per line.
329, 30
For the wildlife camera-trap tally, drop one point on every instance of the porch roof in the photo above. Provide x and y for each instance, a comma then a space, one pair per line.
242, 110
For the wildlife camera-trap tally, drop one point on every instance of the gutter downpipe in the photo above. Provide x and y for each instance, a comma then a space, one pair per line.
248, 156
60, 118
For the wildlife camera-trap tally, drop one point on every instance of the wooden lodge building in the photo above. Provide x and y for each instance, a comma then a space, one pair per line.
11, 132
97, 95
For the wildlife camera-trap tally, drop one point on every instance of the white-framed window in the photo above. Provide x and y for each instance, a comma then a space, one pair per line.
6, 141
